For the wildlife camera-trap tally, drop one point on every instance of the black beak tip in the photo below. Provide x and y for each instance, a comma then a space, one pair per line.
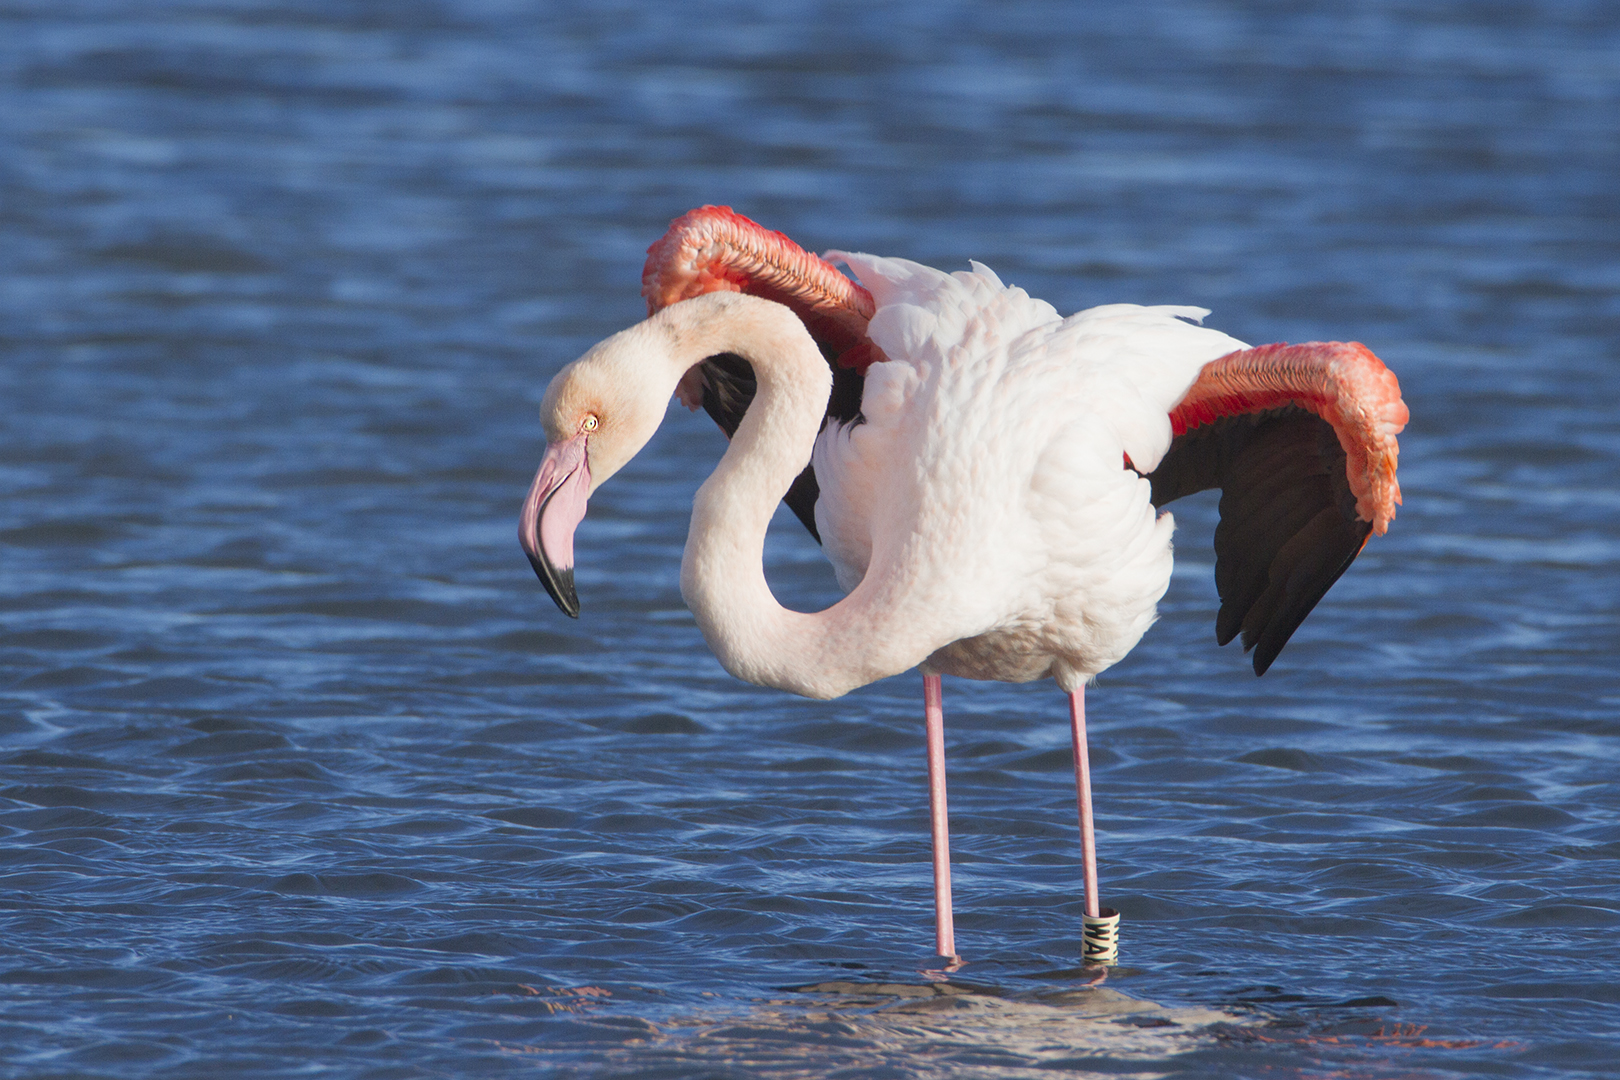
559, 585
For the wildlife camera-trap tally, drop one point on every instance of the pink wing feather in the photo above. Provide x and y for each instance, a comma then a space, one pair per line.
714, 248
1342, 382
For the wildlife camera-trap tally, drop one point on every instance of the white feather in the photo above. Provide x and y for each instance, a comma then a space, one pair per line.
990, 465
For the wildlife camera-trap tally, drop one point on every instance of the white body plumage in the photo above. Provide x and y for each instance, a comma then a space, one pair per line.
987, 470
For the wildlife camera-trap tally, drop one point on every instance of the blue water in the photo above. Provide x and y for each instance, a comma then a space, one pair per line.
302, 773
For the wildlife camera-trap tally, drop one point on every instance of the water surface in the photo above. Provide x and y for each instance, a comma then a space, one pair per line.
301, 771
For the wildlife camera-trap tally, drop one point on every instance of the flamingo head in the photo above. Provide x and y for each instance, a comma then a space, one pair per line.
598, 412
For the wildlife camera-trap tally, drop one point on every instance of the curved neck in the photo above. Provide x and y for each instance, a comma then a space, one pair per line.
821, 655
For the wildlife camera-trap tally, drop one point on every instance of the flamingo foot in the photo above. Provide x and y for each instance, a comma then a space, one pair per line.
944, 972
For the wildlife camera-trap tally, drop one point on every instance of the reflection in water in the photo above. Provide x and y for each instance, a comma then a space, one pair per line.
964, 1029
928, 1028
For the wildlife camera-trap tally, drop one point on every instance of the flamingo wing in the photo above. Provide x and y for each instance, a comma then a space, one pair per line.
728, 389
713, 249
1301, 440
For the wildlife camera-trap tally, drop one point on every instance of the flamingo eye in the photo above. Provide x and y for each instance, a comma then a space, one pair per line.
590, 423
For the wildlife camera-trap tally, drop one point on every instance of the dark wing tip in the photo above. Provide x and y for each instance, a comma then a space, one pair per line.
1331, 552
1288, 528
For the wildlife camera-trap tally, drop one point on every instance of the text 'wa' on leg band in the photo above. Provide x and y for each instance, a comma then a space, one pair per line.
1101, 937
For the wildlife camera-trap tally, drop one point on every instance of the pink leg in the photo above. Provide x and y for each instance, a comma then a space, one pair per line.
934, 722
1082, 783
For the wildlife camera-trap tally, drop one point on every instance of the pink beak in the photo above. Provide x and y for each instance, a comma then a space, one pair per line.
551, 513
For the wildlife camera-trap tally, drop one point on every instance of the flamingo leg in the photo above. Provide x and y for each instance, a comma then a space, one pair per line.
1082, 783
934, 722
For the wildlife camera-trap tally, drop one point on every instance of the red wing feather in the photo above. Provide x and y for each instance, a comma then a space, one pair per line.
1342, 382
1301, 440
714, 248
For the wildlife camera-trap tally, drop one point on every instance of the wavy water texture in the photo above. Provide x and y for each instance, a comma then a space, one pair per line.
300, 771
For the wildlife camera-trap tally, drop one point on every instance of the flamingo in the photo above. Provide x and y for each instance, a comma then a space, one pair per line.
984, 475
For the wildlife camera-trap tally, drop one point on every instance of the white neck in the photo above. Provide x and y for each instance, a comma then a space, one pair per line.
864, 637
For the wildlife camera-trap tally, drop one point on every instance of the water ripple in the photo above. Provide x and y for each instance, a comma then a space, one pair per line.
300, 770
